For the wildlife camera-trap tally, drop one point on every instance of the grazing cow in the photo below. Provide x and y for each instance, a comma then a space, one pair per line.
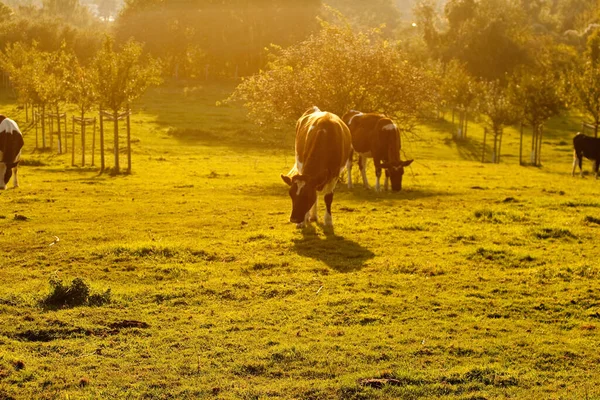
323, 148
11, 142
588, 147
376, 136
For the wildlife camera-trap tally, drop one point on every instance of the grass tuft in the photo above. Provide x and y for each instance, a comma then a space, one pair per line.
592, 220
73, 295
554, 233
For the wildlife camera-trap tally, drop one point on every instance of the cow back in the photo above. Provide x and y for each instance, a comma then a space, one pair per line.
323, 144
376, 134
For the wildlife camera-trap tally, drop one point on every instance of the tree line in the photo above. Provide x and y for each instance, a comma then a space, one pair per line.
510, 61
51, 81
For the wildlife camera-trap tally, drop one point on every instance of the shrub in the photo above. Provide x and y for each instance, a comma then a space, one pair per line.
73, 295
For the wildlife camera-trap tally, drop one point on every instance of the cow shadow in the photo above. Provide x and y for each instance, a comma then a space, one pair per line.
337, 252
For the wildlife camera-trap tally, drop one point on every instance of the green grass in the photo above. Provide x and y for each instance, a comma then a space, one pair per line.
479, 281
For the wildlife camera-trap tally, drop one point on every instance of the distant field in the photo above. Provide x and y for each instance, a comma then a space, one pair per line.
479, 281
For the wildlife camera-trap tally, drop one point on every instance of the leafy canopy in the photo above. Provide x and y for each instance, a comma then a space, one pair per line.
337, 69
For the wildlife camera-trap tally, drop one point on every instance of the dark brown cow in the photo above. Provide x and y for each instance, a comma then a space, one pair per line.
588, 147
376, 136
323, 148
11, 143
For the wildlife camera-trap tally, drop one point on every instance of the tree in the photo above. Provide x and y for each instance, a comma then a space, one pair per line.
585, 79
369, 14
337, 70
460, 90
84, 94
225, 38
121, 78
538, 95
498, 110
28, 69
56, 84
490, 37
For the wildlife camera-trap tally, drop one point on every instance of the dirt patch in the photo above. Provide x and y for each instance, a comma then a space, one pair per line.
127, 324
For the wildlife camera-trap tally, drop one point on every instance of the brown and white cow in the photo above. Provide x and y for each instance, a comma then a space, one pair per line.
11, 143
323, 148
376, 136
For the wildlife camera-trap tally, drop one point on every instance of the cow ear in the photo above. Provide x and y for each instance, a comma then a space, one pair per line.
286, 179
407, 163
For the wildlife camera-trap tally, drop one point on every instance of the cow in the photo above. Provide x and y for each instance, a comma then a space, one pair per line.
588, 147
376, 136
323, 148
11, 143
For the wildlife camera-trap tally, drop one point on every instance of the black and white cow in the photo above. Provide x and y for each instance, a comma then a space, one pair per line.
11, 143
588, 147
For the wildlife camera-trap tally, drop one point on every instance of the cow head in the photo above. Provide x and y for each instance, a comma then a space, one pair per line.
303, 192
349, 116
395, 171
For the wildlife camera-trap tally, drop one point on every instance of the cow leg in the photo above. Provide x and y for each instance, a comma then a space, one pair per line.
313, 213
387, 180
328, 190
349, 169
580, 161
596, 165
575, 158
16, 178
378, 175
362, 165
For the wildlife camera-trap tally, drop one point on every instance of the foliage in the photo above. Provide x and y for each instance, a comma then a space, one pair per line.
196, 38
585, 80
337, 69
499, 111
83, 91
383, 14
123, 76
459, 88
73, 295
486, 36
538, 94
51, 31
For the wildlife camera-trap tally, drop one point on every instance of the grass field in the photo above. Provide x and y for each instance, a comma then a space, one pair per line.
478, 281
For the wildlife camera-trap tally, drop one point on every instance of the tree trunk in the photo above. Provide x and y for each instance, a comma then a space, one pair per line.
60, 148
43, 126
82, 137
466, 124
533, 144
495, 152
116, 168
94, 142
485, 131
539, 152
35, 122
102, 164
128, 141
500, 143
521, 146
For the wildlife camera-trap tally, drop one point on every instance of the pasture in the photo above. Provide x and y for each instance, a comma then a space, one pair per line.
478, 281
